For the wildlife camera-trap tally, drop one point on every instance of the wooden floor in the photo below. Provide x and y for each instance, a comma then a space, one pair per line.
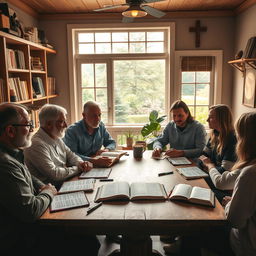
107, 247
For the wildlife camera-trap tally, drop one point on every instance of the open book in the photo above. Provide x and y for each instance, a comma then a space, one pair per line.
114, 155
77, 185
68, 201
96, 173
196, 195
192, 172
123, 191
178, 160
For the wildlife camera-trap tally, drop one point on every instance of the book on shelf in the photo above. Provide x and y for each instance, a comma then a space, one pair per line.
68, 201
38, 86
192, 172
96, 173
179, 160
77, 185
122, 190
51, 85
196, 195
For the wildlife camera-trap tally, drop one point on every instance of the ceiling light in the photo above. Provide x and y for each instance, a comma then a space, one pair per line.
134, 11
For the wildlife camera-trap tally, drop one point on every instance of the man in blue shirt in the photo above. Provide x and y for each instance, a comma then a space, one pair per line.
87, 136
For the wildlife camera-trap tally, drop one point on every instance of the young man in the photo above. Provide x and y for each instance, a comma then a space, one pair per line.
49, 159
186, 136
23, 198
87, 136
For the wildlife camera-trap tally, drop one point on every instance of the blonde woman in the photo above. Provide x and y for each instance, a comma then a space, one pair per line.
219, 154
241, 209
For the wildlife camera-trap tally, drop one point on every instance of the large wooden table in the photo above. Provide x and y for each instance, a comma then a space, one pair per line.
137, 220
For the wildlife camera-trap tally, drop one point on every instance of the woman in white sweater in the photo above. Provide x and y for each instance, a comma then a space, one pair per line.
241, 208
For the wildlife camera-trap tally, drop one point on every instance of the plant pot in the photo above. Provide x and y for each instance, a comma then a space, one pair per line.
129, 142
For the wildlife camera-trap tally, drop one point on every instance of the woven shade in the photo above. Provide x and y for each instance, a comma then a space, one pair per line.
196, 63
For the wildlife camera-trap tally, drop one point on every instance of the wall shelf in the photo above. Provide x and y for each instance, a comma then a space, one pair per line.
242, 64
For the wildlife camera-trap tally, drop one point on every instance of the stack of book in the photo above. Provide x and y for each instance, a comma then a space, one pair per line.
36, 63
18, 89
51, 85
15, 59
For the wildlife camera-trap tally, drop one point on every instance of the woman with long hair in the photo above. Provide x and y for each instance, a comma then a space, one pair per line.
219, 154
241, 209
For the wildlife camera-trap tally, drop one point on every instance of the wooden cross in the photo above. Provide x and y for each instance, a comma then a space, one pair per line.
197, 29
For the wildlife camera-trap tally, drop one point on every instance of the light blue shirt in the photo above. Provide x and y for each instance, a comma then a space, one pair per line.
191, 140
85, 145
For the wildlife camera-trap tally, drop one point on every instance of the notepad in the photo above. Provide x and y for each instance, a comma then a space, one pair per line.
77, 185
96, 173
192, 172
178, 160
68, 201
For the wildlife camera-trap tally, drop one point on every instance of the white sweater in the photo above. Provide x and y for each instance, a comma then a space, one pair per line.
241, 213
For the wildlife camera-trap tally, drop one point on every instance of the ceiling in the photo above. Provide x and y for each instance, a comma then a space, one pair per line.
46, 8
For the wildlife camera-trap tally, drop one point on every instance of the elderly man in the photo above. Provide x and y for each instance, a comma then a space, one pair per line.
87, 136
24, 198
49, 159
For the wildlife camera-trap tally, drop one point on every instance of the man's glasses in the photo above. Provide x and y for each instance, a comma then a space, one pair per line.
30, 125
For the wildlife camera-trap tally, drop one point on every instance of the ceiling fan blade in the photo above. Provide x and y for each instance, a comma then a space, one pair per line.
127, 19
108, 7
152, 1
152, 11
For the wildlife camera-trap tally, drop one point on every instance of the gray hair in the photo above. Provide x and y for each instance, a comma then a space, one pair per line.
50, 112
89, 104
10, 113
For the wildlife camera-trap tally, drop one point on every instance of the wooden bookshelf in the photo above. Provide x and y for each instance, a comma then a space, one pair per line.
16, 67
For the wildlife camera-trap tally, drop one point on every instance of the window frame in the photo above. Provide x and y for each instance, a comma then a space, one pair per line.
76, 59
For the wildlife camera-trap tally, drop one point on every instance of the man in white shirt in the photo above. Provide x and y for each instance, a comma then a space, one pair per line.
49, 159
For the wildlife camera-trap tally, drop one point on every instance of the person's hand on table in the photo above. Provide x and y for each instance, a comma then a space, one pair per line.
174, 153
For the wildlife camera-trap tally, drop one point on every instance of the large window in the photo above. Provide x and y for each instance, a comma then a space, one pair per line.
124, 71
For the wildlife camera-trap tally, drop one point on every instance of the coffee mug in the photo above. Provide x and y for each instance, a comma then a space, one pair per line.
141, 142
138, 151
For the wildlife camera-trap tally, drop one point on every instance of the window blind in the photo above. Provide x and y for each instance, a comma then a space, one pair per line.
196, 63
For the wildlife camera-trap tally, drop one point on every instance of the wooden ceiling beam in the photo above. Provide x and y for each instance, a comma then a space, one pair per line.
22, 6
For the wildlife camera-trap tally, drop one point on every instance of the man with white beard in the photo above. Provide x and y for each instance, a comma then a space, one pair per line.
48, 158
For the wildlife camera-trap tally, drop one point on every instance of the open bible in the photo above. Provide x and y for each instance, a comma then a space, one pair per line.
196, 195
192, 172
178, 160
77, 185
113, 155
68, 201
123, 191
96, 173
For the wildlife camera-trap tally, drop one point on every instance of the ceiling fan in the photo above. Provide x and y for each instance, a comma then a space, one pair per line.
136, 9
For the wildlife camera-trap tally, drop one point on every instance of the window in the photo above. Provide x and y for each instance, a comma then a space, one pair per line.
199, 80
125, 71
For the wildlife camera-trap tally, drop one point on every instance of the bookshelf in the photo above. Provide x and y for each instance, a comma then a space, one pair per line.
22, 64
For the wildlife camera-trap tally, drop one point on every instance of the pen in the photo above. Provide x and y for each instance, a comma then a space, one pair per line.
94, 207
106, 180
165, 173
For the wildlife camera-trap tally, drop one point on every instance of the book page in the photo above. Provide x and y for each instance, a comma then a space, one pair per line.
97, 173
113, 190
201, 195
141, 190
77, 185
178, 160
181, 191
192, 172
68, 201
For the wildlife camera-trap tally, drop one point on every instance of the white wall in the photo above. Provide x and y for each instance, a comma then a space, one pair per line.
245, 28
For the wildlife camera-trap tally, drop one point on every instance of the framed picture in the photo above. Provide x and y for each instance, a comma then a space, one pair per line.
249, 87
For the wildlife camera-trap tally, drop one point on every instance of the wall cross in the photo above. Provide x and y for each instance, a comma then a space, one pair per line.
197, 30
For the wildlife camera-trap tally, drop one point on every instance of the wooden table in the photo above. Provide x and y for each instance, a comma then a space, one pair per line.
136, 221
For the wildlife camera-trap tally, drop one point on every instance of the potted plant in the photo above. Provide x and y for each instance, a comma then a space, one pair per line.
150, 131
129, 139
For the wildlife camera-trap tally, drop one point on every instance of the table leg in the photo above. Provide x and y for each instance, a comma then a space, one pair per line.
136, 246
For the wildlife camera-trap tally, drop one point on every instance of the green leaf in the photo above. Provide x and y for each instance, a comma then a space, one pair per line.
149, 128
153, 116
161, 119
